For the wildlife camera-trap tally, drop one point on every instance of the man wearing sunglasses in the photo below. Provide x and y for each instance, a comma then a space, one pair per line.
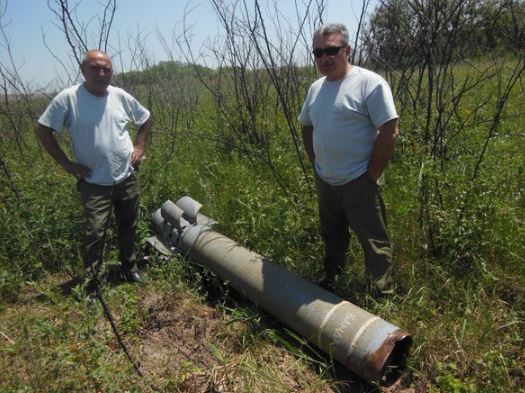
105, 159
350, 127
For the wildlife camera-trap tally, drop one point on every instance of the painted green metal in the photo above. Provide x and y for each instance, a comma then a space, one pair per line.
371, 347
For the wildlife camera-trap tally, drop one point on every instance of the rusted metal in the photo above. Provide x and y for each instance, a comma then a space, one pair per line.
371, 347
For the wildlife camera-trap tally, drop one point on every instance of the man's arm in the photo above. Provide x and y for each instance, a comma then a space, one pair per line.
308, 132
140, 142
46, 136
383, 148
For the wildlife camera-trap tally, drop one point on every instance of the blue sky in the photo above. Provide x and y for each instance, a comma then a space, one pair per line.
26, 22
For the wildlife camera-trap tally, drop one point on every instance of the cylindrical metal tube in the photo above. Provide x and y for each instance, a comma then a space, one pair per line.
172, 213
368, 345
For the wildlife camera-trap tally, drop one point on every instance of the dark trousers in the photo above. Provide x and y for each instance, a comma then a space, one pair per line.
98, 201
358, 205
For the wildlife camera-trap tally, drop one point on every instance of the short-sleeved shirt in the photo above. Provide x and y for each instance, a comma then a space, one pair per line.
346, 115
99, 129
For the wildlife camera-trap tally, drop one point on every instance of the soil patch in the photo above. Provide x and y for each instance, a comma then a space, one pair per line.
181, 340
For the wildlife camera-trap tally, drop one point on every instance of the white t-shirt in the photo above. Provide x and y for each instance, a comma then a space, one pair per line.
98, 128
345, 115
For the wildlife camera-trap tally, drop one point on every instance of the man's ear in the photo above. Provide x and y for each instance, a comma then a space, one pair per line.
348, 50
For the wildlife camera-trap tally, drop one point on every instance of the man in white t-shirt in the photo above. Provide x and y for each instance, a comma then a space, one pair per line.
105, 159
350, 127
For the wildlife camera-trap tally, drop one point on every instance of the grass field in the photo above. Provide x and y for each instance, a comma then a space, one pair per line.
458, 241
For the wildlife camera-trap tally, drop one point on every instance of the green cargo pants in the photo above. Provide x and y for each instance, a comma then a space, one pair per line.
358, 205
98, 201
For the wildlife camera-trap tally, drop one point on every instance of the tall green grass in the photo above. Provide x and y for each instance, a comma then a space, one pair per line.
463, 305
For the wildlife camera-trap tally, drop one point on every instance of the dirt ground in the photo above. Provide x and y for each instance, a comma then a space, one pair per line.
196, 348
175, 342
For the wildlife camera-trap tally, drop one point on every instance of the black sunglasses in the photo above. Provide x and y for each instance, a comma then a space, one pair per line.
330, 51
96, 68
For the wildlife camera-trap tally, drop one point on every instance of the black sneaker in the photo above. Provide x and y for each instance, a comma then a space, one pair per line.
85, 287
132, 275
326, 283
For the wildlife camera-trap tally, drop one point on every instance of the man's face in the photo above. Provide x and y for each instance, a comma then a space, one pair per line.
97, 71
333, 66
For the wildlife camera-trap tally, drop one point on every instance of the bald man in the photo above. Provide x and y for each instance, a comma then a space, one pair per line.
105, 159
